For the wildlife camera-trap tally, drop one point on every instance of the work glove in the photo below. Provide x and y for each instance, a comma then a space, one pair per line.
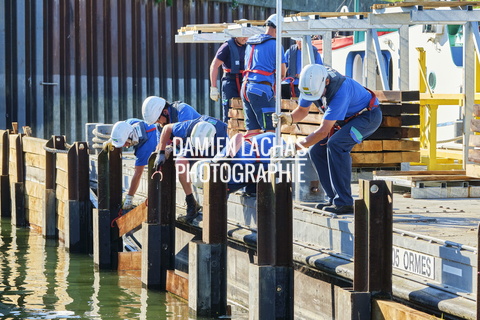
160, 160
127, 202
107, 145
214, 93
282, 118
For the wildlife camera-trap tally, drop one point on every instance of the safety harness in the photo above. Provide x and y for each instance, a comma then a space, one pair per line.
249, 69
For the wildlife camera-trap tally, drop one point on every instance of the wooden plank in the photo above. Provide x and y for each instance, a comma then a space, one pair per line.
397, 96
474, 140
476, 110
373, 157
236, 103
425, 4
475, 125
400, 145
177, 284
130, 261
61, 179
329, 14
35, 160
34, 145
390, 121
419, 173
395, 133
411, 156
62, 161
236, 113
473, 170
368, 145
34, 189
474, 155
441, 178
35, 174
386, 309
132, 219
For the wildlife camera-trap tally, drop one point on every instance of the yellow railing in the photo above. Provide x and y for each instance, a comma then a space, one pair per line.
429, 102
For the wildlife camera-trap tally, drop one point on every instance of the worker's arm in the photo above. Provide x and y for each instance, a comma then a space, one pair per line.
318, 134
299, 113
165, 137
216, 63
284, 70
137, 175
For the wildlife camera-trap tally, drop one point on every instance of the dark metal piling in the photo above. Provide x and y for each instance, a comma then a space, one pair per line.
17, 181
158, 245
271, 280
207, 273
5, 197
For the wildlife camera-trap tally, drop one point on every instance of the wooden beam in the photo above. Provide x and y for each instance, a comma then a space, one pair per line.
132, 219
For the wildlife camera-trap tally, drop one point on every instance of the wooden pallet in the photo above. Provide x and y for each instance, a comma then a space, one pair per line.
433, 184
391, 144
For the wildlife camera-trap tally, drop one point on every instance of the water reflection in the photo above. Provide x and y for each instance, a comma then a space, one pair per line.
41, 280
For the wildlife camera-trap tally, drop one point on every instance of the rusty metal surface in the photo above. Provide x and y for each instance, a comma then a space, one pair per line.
67, 63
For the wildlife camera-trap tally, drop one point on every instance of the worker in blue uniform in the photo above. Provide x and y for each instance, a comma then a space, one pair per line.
293, 56
158, 110
351, 114
203, 137
259, 77
231, 56
144, 139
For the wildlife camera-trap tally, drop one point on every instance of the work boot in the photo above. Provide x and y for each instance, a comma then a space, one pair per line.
322, 205
339, 209
193, 208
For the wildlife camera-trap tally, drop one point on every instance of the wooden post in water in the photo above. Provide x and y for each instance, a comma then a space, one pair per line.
17, 177
78, 222
5, 197
207, 272
106, 240
377, 245
49, 221
271, 280
158, 245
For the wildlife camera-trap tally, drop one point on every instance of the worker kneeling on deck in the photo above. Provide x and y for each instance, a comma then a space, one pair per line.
144, 139
351, 114
201, 138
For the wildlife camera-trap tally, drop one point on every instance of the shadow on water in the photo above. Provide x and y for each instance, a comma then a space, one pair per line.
41, 280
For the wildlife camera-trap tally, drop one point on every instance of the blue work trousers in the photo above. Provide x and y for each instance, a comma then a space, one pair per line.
332, 160
258, 106
229, 91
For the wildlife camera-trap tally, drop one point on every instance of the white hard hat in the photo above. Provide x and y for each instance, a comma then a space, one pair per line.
202, 135
311, 82
271, 21
197, 173
152, 108
120, 133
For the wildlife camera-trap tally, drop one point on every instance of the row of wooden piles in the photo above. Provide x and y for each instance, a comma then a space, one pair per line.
473, 169
394, 142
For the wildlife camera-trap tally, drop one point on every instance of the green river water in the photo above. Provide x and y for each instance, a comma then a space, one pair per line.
41, 280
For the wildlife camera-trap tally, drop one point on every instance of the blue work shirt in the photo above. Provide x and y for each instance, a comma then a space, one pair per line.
350, 98
263, 57
146, 145
185, 112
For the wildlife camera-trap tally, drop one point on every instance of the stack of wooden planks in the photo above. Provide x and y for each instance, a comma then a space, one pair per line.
396, 140
473, 169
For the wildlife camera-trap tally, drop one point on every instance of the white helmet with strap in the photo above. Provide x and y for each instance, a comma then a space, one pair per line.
121, 131
311, 82
152, 108
271, 21
202, 135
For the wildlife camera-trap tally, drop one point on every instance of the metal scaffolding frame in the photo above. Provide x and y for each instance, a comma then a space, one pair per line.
394, 15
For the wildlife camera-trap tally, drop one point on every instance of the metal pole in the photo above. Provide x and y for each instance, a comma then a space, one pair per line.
278, 78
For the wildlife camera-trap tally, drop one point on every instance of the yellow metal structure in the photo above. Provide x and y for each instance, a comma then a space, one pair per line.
438, 159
